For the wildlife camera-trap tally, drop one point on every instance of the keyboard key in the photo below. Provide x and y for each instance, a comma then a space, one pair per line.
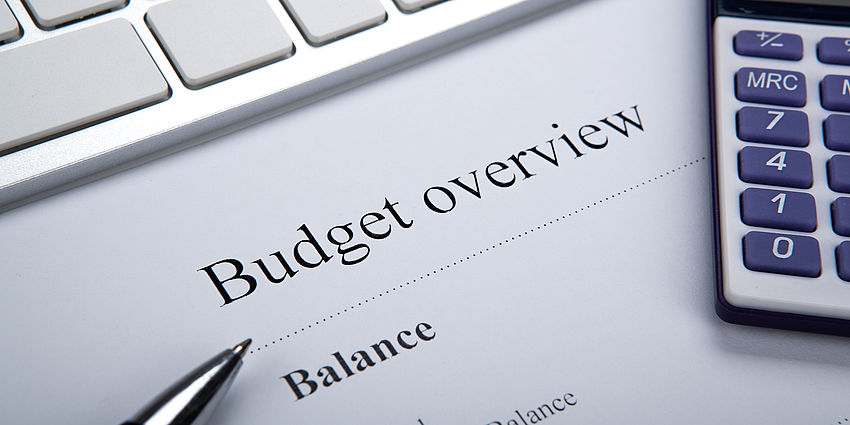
771, 86
323, 21
775, 126
836, 132
841, 216
414, 5
834, 50
74, 80
9, 29
53, 13
842, 259
835, 93
785, 254
211, 40
775, 167
774, 45
779, 209
838, 173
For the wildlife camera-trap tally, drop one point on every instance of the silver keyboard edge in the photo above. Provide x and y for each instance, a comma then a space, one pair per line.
68, 161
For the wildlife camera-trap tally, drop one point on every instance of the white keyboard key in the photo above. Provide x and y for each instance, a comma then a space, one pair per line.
211, 40
323, 21
414, 5
53, 13
9, 30
74, 80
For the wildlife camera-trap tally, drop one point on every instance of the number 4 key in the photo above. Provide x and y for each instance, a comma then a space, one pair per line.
775, 167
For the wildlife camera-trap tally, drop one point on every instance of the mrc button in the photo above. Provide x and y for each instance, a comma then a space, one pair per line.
770, 86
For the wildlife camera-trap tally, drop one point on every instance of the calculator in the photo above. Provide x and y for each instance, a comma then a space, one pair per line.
780, 146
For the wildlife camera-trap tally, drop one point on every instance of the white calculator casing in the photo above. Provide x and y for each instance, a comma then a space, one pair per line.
820, 304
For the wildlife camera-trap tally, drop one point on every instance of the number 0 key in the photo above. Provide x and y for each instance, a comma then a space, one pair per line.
784, 254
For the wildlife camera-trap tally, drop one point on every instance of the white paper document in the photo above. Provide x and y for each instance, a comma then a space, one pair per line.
515, 232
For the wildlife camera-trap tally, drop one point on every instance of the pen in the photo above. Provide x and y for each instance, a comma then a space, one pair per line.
191, 400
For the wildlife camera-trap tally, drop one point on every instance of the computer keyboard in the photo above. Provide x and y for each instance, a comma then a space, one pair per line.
88, 85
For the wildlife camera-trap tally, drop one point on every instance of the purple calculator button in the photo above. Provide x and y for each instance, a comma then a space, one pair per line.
765, 44
841, 216
778, 167
770, 86
834, 50
838, 173
836, 132
786, 254
842, 259
779, 209
835, 92
775, 126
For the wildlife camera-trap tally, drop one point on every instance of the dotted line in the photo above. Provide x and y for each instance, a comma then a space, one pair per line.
376, 297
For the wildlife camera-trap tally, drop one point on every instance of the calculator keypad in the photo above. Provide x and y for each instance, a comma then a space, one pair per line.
779, 208
782, 133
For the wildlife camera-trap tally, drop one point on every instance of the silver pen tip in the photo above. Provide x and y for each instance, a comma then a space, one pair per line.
242, 348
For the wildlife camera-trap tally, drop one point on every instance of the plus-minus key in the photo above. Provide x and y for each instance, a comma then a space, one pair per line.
776, 45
